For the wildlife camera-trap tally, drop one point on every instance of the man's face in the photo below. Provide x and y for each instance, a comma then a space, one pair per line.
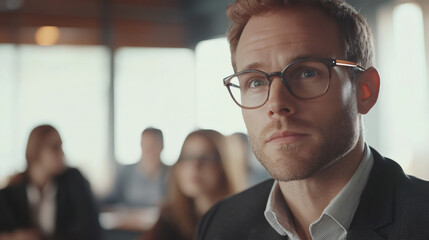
294, 138
151, 147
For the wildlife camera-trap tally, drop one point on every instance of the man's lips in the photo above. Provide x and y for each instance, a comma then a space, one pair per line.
286, 137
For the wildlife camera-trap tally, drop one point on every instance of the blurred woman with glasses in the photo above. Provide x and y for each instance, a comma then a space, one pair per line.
48, 200
197, 181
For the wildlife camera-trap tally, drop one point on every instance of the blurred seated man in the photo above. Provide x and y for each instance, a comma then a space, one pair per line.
142, 184
133, 204
48, 200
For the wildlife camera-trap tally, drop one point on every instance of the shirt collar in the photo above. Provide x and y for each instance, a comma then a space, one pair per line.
277, 213
341, 209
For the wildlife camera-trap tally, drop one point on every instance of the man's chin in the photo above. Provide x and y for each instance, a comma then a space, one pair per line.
292, 167
291, 176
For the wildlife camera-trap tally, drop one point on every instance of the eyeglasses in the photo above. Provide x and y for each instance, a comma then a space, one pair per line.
306, 78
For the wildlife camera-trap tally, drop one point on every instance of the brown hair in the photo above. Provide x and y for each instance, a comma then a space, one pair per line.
155, 131
34, 145
179, 209
357, 35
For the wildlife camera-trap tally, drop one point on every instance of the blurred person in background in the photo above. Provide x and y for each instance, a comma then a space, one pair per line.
197, 181
243, 168
142, 184
48, 200
134, 203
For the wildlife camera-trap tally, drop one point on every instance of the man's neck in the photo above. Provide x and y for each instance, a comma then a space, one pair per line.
308, 198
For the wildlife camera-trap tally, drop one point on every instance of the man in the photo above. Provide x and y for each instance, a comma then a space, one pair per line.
142, 184
304, 78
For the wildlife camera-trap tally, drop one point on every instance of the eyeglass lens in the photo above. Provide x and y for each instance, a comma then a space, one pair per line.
305, 79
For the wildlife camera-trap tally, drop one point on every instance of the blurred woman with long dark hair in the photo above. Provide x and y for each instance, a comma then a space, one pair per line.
48, 200
197, 181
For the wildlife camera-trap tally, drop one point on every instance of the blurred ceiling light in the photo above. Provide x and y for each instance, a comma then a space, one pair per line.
47, 35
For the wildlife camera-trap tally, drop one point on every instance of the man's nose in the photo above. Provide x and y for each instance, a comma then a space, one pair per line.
281, 102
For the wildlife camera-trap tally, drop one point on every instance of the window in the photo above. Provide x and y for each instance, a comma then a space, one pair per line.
404, 94
155, 87
175, 90
8, 90
215, 108
64, 86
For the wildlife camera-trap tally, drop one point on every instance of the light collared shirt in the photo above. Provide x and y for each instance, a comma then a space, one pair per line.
43, 207
336, 217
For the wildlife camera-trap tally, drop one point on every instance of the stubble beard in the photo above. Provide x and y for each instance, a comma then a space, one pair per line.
292, 162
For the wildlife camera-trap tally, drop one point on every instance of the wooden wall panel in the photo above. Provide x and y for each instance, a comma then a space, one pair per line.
154, 23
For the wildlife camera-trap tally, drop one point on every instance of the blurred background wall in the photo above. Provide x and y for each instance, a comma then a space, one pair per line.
102, 71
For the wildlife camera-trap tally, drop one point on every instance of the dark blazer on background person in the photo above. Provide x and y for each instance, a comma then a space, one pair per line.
76, 213
393, 205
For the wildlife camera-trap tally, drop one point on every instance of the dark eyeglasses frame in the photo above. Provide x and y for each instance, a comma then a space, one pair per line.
330, 63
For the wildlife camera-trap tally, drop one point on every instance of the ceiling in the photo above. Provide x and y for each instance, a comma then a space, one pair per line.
163, 23
155, 23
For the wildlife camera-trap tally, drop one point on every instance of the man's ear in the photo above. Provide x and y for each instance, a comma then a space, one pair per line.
367, 89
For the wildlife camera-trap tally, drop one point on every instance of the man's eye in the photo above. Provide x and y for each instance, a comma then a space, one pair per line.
308, 73
255, 83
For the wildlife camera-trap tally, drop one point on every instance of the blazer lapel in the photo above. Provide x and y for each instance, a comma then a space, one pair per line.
375, 210
21, 206
264, 231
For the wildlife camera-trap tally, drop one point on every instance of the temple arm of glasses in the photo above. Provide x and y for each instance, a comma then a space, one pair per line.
233, 85
349, 64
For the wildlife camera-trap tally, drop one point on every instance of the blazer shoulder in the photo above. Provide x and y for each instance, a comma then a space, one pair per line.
393, 202
71, 175
391, 173
413, 190
69, 171
13, 190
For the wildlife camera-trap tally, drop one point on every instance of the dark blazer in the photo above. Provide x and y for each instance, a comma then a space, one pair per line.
76, 217
392, 206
